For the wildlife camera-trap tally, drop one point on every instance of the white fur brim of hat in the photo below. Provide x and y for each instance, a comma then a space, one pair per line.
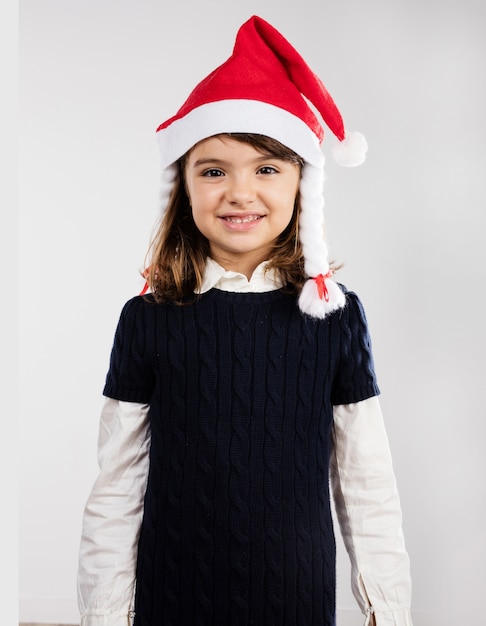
238, 116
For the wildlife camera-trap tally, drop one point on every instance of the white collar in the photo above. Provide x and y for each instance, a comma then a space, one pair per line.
216, 277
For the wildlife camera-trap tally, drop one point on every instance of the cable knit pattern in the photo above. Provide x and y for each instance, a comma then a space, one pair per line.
237, 527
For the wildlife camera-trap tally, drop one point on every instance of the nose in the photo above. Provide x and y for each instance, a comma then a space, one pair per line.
240, 190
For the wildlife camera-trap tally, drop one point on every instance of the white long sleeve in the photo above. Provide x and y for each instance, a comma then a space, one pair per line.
113, 515
369, 513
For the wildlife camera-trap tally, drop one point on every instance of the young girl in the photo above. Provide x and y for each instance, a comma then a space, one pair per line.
242, 381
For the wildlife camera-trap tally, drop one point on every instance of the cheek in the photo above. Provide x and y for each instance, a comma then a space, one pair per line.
201, 205
197, 215
287, 208
285, 216
202, 216
202, 197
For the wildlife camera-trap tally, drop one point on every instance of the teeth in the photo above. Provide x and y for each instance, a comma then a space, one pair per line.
242, 220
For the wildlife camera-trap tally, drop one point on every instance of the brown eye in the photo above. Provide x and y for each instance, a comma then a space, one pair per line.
267, 169
213, 172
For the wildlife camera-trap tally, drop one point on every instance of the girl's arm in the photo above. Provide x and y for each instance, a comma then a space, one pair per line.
112, 516
368, 509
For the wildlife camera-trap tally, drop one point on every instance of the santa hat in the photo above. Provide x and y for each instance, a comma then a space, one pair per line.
264, 88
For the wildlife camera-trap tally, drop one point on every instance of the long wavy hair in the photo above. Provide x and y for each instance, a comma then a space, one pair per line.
177, 254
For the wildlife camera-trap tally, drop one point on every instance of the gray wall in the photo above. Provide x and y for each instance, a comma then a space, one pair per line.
96, 78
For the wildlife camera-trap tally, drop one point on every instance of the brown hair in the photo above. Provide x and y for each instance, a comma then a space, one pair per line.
177, 255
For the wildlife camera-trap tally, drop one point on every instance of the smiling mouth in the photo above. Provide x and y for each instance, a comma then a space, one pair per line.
242, 220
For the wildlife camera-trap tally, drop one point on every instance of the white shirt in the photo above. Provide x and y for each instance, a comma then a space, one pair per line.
227, 280
362, 479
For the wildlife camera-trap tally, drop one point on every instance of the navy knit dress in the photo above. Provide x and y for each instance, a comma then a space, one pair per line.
237, 526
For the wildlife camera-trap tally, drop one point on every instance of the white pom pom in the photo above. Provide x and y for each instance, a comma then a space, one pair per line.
351, 151
311, 304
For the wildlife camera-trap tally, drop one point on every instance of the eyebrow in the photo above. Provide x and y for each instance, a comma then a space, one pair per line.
214, 161
207, 161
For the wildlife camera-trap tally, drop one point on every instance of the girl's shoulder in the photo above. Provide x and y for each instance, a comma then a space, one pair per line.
353, 301
352, 316
134, 310
135, 303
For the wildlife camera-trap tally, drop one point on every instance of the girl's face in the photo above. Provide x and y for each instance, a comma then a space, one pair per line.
241, 199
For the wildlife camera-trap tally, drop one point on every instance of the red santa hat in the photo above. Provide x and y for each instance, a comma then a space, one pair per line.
265, 88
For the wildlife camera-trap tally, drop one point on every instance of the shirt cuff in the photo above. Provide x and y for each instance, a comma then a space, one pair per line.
391, 618
114, 619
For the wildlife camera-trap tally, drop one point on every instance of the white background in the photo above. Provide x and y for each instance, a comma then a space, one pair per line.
96, 78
